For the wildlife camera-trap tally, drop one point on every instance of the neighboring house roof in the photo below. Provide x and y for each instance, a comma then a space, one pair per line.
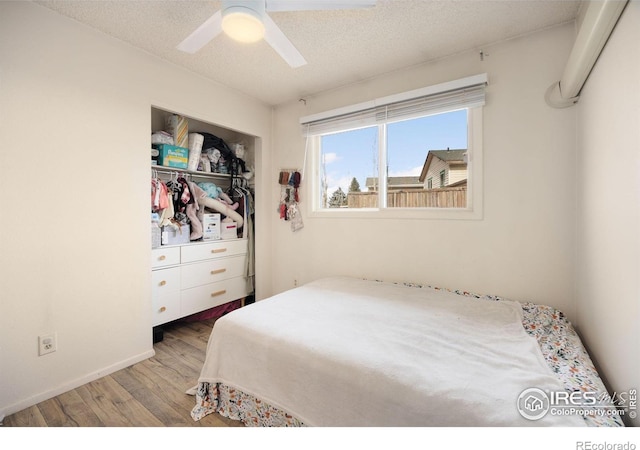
396, 183
461, 183
450, 156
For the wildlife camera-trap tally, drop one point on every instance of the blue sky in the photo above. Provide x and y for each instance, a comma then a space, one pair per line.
355, 153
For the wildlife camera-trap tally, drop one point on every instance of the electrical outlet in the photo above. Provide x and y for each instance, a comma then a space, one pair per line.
47, 344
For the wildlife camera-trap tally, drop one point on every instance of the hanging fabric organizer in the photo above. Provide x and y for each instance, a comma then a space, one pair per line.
288, 209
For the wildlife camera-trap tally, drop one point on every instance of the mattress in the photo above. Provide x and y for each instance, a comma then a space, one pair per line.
350, 352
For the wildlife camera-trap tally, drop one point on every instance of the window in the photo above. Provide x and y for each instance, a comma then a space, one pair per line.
383, 156
345, 157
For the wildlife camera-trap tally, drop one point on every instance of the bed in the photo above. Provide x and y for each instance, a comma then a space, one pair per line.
351, 352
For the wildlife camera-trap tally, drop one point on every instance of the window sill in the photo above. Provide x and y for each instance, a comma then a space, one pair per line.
399, 213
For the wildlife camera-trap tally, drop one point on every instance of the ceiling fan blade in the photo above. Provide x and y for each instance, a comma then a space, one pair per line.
203, 34
310, 5
283, 46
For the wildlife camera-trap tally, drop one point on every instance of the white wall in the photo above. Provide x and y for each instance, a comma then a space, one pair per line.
74, 242
523, 248
608, 262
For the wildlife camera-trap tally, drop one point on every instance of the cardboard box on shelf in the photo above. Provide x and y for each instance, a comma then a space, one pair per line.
172, 156
211, 226
178, 127
229, 230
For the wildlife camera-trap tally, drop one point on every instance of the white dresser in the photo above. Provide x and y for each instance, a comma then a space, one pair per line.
190, 278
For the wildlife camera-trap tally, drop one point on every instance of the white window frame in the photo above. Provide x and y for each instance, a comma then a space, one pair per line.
474, 209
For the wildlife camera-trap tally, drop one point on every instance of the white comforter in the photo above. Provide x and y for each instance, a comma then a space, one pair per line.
349, 352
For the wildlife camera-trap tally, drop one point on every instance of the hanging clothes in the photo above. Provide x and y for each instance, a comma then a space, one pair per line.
162, 203
159, 195
250, 267
180, 195
240, 192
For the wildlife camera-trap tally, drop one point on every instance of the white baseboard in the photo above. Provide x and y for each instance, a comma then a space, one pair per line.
66, 387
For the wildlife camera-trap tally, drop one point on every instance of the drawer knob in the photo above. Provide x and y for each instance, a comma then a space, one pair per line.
162, 258
217, 271
162, 283
215, 294
163, 309
218, 250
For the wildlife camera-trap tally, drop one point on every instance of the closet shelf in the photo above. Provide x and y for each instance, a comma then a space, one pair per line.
169, 170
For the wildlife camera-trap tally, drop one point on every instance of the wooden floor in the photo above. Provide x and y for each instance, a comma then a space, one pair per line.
148, 394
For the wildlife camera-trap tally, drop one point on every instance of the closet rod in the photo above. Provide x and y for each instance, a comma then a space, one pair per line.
170, 170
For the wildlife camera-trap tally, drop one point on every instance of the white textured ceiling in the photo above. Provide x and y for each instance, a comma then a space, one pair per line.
341, 47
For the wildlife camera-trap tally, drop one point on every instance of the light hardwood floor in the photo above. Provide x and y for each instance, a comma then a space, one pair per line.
148, 394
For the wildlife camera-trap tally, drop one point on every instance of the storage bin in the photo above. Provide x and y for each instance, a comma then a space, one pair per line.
172, 236
229, 230
156, 239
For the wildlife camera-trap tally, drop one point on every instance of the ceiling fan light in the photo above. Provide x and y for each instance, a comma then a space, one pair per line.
243, 24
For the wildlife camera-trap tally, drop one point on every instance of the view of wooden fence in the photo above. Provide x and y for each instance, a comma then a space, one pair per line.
432, 198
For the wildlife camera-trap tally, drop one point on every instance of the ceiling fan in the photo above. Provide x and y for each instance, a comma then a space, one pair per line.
248, 21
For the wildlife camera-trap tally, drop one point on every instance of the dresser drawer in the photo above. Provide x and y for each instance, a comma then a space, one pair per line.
165, 295
165, 280
211, 271
208, 250
204, 297
165, 307
167, 256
